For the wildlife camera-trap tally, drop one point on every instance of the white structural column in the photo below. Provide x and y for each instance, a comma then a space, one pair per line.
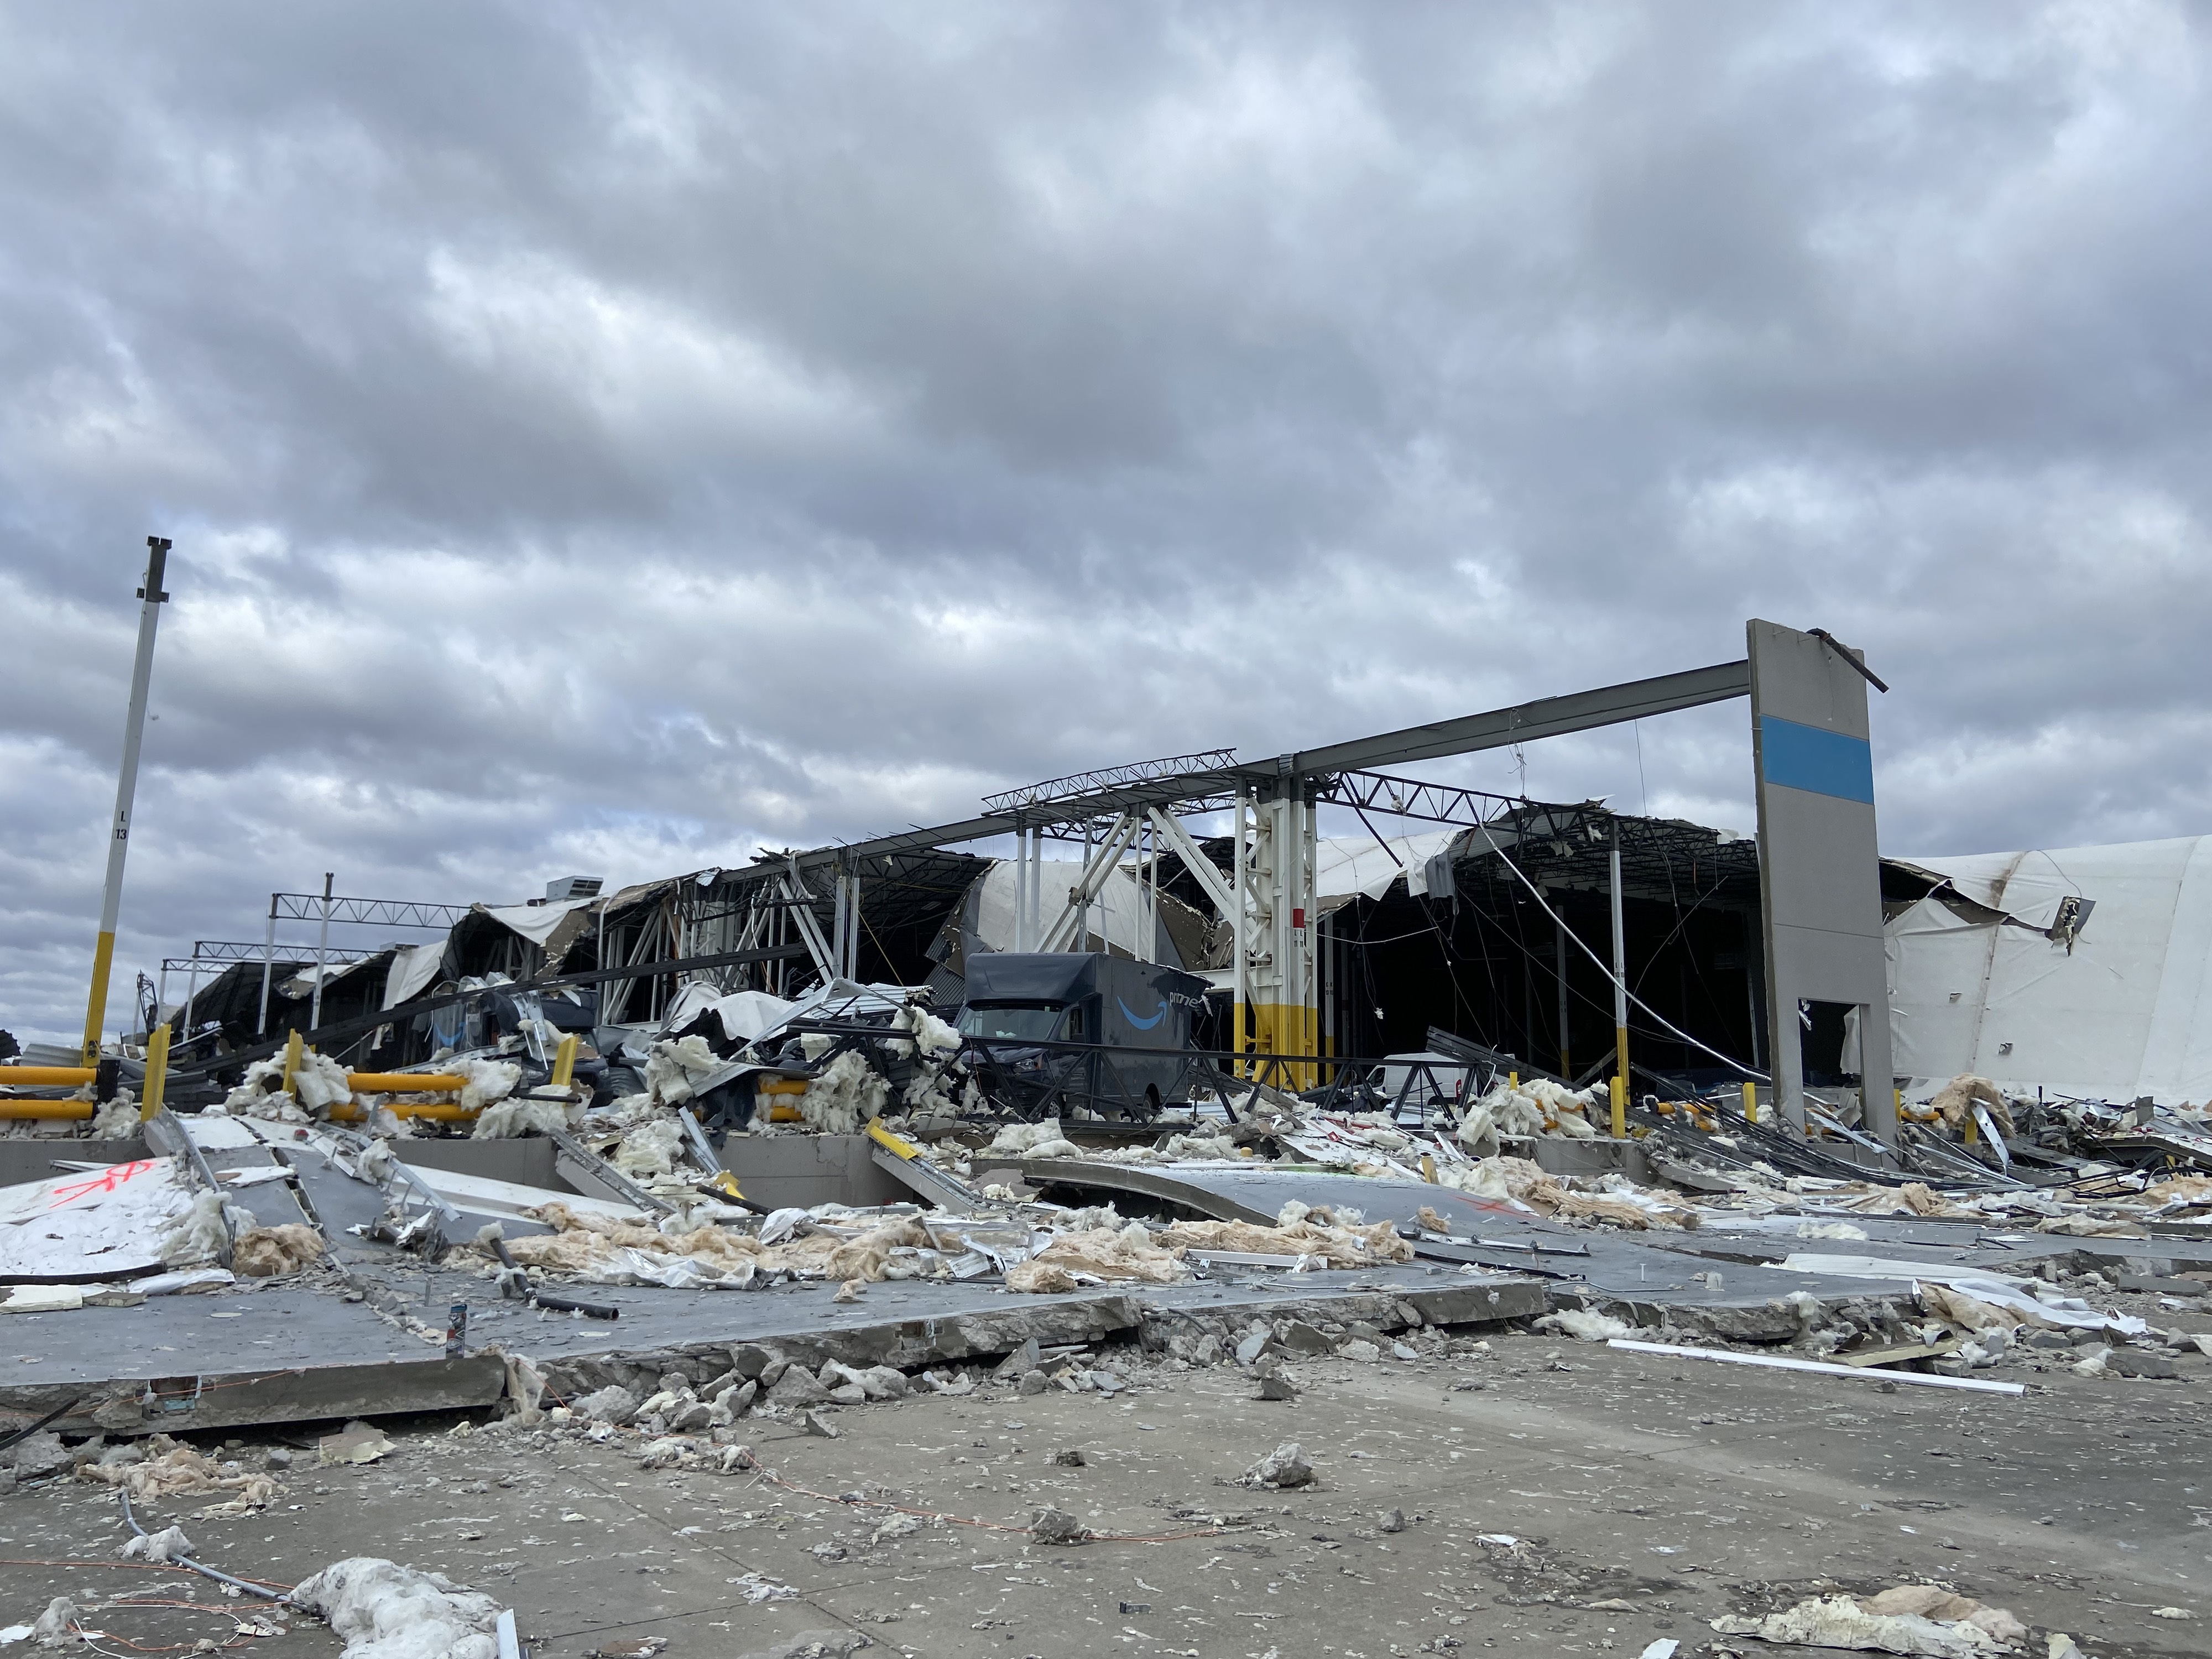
1036, 888
268, 962
1278, 955
1620, 967
1239, 922
322, 956
152, 598
1021, 886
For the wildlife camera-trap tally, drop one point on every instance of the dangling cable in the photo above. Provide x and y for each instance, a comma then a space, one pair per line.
1610, 978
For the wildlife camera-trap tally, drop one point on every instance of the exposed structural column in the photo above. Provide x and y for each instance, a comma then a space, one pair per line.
322, 956
1619, 988
268, 963
1276, 953
126, 788
1559, 978
845, 924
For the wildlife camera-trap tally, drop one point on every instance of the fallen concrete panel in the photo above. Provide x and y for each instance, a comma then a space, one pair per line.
1643, 1276
85, 1226
301, 1351
277, 1353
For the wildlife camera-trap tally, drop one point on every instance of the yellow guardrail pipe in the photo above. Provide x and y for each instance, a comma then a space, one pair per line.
47, 1076
405, 1082
438, 1111
11, 1109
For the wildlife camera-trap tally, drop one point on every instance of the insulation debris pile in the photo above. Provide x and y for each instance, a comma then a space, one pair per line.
1037, 1249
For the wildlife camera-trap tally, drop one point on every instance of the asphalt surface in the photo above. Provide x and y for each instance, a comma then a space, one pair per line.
1646, 1496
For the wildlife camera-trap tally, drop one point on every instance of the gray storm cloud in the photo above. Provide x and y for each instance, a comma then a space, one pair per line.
617, 438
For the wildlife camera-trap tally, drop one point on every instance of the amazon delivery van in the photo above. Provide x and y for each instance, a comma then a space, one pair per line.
1089, 997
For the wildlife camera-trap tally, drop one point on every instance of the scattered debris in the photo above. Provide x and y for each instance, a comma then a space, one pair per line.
165, 1546
1058, 1527
1285, 1466
168, 1470
357, 1442
1913, 1620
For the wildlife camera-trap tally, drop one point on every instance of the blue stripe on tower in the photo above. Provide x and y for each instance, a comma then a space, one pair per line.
1820, 762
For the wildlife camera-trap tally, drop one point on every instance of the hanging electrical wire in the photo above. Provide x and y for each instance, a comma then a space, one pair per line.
1612, 978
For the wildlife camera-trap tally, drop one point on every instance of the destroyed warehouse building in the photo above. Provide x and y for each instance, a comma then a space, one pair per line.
704, 1179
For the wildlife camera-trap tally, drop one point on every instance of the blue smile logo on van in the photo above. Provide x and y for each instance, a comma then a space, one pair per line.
1158, 1015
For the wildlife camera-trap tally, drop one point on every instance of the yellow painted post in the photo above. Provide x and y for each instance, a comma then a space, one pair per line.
95, 1010
564, 1061
1513, 1079
157, 1072
1621, 1109
1751, 1103
293, 1052
1973, 1129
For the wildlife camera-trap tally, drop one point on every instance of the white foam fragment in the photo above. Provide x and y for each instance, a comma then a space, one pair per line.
381, 1610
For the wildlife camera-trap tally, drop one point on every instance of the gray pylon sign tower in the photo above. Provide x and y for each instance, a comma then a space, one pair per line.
1819, 868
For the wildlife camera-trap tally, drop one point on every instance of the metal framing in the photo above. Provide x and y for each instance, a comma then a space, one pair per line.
325, 907
812, 898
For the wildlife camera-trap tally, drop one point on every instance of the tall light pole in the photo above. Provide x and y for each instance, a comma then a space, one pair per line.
126, 786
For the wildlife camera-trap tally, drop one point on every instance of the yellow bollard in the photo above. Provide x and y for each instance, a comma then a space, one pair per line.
1620, 1107
95, 1012
1513, 1079
294, 1051
1973, 1129
564, 1062
157, 1072
1751, 1103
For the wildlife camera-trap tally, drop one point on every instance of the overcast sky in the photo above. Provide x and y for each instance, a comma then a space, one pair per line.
607, 439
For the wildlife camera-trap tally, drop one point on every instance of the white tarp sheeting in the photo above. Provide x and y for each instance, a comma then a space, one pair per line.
2127, 1011
745, 1015
302, 984
413, 967
1350, 866
535, 922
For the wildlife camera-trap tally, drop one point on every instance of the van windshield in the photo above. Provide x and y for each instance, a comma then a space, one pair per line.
1027, 1023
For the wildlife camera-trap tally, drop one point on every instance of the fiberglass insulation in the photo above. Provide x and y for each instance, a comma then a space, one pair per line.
381, 1610
674, 1071
846, 1095
511, 1120
590, 1246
